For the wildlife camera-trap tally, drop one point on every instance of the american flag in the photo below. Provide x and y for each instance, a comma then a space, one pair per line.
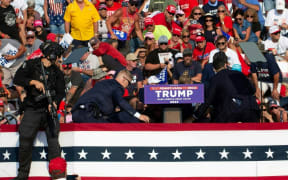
159, 151
56, 7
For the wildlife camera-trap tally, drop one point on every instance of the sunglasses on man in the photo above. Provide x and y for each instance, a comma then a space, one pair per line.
66, 66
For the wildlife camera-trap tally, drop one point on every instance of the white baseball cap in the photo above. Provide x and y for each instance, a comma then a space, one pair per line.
280, 4
274, 29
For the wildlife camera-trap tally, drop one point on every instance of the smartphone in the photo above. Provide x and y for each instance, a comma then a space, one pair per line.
71, 177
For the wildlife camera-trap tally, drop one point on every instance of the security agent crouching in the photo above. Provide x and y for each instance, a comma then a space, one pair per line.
36, 111
99, 103
230, 94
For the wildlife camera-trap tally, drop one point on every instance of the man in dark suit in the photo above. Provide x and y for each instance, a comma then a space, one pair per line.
231, 95
99, 103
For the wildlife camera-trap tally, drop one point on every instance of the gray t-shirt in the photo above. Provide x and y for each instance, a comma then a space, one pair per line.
34, 47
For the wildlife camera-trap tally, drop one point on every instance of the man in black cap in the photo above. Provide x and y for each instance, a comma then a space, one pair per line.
37, 109
231, 94
160, 58
188, 67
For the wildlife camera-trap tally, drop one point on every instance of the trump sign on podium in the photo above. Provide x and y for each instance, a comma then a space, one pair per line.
189, 151
174, 94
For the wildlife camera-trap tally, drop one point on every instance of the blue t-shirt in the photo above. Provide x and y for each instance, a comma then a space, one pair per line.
260, 15
266, 70
243, 30
208, 8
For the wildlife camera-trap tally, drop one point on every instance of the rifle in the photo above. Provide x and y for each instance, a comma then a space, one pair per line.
53, 113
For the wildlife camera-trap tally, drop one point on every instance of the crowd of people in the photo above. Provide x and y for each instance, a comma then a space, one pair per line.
87, 62
145, 38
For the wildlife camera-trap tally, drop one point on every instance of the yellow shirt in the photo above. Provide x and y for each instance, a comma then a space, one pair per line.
81, 21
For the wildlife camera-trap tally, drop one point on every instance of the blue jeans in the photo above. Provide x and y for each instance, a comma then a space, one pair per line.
57, 29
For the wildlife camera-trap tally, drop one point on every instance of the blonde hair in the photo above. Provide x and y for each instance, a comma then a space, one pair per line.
227, 13
254, 14
194, 9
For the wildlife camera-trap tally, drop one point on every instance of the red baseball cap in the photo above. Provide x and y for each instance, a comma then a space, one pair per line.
148, 21
171, 9
200, 38
57, 165
51, 37
176, 31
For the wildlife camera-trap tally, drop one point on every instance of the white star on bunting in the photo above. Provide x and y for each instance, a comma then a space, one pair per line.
6, 155
224, 154
177, 154
63, 154
200, 154
269, 154
153, 154
43, 154
82, 154
106, 154
247, 154
129, 154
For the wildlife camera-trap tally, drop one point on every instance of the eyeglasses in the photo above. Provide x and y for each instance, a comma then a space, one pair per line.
221, 43
129, 82
249, 16
199, 42
30, 37
186, 36
238, 19
176, 35
133, 4
163, 43
179, 15
66, 66
197, 14
209, 20
219, 11
149, 39
172, 14
276, 33
273, 108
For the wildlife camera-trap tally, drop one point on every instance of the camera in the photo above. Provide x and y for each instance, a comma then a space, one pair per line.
193, 21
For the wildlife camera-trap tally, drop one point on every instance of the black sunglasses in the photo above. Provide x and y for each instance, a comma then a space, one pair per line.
209, 20
238, 19
172, 14
30, 37
129, 82
149, 39
249, 16
273, 108
186, 36
221, 11
133, 4
163, 43
176, 35
197, 14
221, 43
179, 15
